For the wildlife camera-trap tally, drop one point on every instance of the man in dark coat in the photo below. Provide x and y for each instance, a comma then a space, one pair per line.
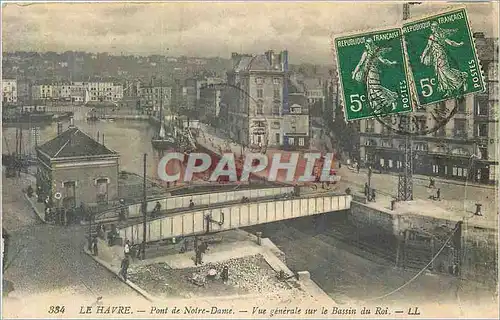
124, 268
94, 246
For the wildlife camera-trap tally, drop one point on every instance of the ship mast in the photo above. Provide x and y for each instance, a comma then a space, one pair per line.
162, 118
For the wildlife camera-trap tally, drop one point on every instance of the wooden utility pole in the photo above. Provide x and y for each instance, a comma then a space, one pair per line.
144, 210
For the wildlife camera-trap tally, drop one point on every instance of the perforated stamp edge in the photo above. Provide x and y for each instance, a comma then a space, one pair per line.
446, 10
359, 32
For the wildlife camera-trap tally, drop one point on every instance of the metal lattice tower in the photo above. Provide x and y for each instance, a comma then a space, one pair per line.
405, 181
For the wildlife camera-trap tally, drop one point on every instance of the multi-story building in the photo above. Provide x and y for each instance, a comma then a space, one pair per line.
190, 94
61, 91
259, 102
77, 91
104, 91
42, 92
465, 148
155, 96
9, 91
210, 102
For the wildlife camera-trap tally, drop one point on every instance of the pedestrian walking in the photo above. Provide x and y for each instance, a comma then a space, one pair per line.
438, 194
357, 166
373, 195
126, 248
367, 189
47, 214
197, 259
431, 183
225, 274
95, 251
124, 268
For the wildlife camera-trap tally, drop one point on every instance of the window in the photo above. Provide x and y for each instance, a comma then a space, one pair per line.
399, 164
481, 106
275, 125
69, 189
440, 133
461, 105
276, 108
422, 123
277, 137
483, 150
301, 142
260, 107
482, 130
370, 125
291, 141
276, 81
277, 93
420, 146
460, 129
260, 93
293, 128
390, 163
435, 168
259, 80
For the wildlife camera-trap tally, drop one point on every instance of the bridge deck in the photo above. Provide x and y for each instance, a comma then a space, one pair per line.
232, 216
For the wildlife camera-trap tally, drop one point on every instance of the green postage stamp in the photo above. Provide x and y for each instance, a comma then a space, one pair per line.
442, 57
372, 74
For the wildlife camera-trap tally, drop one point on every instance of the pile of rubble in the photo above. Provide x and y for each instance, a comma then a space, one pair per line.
250, 274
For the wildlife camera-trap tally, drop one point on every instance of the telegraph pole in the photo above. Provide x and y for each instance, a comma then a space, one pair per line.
144, 210
405, 181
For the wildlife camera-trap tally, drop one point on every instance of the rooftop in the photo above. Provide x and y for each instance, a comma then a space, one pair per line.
74, 143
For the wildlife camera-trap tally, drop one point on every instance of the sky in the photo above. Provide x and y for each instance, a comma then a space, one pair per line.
209, 29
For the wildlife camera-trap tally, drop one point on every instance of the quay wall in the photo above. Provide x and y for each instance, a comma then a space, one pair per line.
479, 245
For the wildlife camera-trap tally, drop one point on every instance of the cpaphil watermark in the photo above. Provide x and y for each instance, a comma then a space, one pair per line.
316, 167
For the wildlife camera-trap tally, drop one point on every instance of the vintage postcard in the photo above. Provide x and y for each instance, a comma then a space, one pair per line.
220, 160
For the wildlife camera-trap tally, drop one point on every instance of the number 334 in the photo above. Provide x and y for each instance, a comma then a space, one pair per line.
56, 309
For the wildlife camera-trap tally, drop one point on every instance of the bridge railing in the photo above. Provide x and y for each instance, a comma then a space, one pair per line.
182, 201
233, 216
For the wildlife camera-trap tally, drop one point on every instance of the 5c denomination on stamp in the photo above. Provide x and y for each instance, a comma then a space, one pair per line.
442, 57
372, 74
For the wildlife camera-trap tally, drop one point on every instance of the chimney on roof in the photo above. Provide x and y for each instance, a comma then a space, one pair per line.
71, 123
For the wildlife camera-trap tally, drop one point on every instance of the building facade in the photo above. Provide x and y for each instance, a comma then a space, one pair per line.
9, 91
42, 92
210, 100
463, 149
76, 168
153, 97
259, 110
190, 94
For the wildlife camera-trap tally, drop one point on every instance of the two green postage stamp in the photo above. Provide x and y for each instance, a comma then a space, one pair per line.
436, 55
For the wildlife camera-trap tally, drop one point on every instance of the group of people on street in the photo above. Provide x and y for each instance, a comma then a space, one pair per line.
369, 193
432, 185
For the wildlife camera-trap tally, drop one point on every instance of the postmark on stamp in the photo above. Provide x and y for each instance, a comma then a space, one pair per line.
372, 74
442, 57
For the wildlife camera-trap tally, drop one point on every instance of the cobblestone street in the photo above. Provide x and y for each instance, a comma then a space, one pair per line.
47, 258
